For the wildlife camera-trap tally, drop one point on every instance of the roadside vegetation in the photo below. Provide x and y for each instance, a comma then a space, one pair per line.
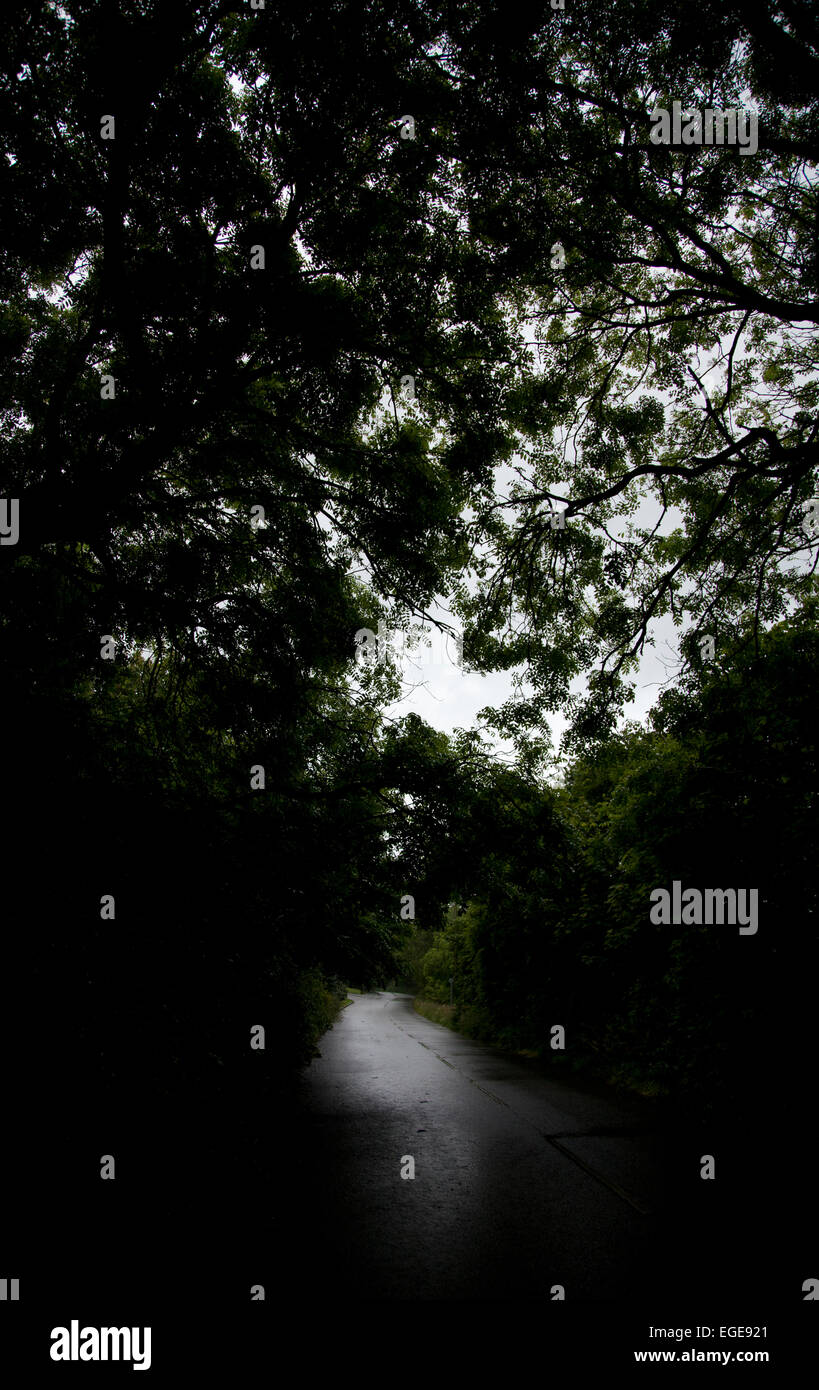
550, 922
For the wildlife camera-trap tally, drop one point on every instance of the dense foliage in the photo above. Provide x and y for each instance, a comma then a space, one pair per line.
220, 481
554, 924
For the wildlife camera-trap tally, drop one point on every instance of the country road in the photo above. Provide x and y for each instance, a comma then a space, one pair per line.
521, 1184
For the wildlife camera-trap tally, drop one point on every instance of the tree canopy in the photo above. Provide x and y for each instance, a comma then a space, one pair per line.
319, 316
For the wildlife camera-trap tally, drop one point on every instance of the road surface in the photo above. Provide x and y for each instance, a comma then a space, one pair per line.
522, 1184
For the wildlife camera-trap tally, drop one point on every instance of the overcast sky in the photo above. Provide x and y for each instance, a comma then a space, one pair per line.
449, 697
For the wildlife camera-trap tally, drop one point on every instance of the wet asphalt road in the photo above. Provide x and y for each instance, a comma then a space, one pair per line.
521, 1183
